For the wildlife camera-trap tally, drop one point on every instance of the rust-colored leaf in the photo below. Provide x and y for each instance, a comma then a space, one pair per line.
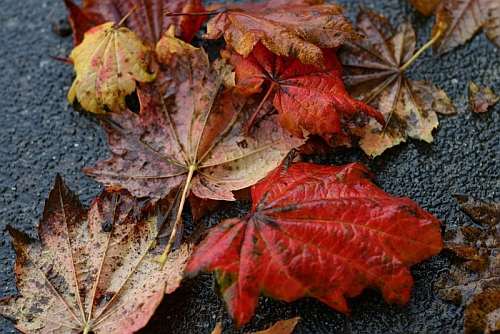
481, 98
474, 278
296, 28
307, 97
374, 73
148, 20
189, 130
108, 63
280, 327
425, 7
90, 271
463, 19
318, 231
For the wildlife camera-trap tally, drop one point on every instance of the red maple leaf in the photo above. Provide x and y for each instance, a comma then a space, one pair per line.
319, 231
307, 97
147, 20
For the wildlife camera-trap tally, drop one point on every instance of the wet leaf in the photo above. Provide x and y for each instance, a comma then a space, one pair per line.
425, 7
474, 278
90, 271
374, 73
108, 63
280, 327
307, 97
297, 28
189, 129
317, 231
481, 98
148, 20
463, 18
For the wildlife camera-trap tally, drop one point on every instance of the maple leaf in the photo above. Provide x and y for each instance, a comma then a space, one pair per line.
474, 280
189, 132
481, 97
374, 73
319, 231
108, 63
307, 97
298, 28
280, 327
463, 18
148, 20
90, 272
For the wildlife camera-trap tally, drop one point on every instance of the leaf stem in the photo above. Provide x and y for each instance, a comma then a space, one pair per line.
127, 15
441, 28
207, 13
254, 116
87, 329
178, 220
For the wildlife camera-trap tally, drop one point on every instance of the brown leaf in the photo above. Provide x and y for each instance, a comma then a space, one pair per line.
463, 18
298, 28
280, 327
374, 73
188, 128
481, 97
474, 278
108, 63
425, 7
91, 270
148, 20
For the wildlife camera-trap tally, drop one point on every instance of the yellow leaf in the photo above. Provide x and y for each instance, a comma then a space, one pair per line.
108, 63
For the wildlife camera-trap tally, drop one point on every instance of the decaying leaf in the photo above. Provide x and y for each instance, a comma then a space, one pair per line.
307, 97
108, 63
374, 73
319, 231
481, 98
463, 18
91, 270
280, 327
474, 278
148, 20
296, 28
425, 7
188, 128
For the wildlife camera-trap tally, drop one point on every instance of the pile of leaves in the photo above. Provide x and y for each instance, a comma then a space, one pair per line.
204, 131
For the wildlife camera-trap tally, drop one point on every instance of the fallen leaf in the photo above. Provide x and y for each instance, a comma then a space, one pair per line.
307, 97
374, 73
318, 231
463, 18
425, 7
188, 128
297, 28
108, 63
189, 133
148, 20
474, 278
481, 98
90, 271
280, 327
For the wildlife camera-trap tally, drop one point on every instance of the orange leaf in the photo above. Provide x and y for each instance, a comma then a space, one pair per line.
297, 28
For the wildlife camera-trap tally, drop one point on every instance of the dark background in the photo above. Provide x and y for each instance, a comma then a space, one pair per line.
41, 135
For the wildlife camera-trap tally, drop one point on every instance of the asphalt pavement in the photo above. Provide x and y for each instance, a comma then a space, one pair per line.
42, 135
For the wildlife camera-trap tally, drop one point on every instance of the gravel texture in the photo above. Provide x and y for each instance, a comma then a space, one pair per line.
41, 135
